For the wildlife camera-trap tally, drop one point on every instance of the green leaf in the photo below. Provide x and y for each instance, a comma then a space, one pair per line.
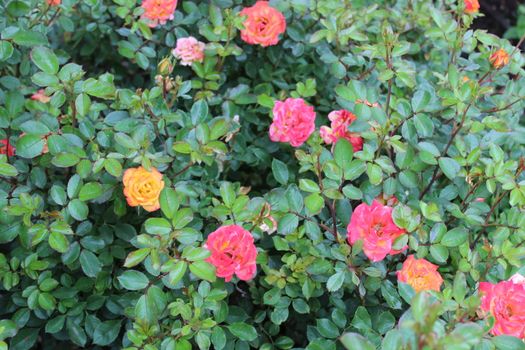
45, 59
8, 170
6, 50
157, 226
280, 171
76, 333
113, 167
327, 328
335, 281
83, 104
178, 272
65, 160
136, 257
288, 224
90, 263
375, 174
90, 191
506, 342
169, 204
243, 331
106, 332
355, 341
455, 237
314, 203
78, 209
449, 167
308, 185
29, 38
133, 280
29, 146
343, 153
203, 270
58, 242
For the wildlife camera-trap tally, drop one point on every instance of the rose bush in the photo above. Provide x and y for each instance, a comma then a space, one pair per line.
229, 174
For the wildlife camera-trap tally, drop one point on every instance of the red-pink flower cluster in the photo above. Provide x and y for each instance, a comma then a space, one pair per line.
506, 302
341, 120
263, 24
158, 11
232, 252
373, 225
189, 50
293, 121
6, 148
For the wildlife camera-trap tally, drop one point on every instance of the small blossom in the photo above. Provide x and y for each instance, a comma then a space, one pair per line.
158, 11
53, 2
499, 59
41, 96
293, 122
268, 225
505, 301
479, 200
6, 148
143, 187
368, 103
471, 6
341, 120
232, 252
189, 50
420, 274
373, 225
263, 24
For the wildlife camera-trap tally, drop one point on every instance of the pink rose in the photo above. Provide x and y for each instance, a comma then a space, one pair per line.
41, 96
341, 120
189, 50
232, 252
373, 225
506, 302
293, 122
158, 11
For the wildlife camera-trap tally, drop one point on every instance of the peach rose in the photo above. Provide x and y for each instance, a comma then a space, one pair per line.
263, 24
471, 6
189, 50
373, 225
341, 120
505, 301
499, 59
158, 11
53, 2
420, 274
293, 122
232, 252
142, 188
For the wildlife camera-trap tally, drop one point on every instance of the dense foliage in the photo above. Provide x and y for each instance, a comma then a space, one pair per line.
288, 177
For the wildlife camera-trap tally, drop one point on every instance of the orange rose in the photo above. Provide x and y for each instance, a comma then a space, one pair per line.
420, 274
471, 6
499, 59
142, 187
263, 24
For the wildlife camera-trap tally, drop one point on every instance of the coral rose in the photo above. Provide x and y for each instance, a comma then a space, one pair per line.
142, 187
293, 122
505, 301
189, 50
499, 59
471, 6
341, 120
53, 2
158, 11
373, 225
6, 148
420, 274
263, 24
232, 252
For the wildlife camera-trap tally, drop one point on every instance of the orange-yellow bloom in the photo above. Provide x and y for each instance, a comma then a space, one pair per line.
263, 24
499, 59
471, 6
420, 274
143, 187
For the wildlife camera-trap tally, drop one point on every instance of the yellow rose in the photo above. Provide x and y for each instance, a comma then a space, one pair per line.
142, 187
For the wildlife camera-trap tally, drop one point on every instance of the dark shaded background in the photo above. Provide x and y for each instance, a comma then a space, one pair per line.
500, 15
